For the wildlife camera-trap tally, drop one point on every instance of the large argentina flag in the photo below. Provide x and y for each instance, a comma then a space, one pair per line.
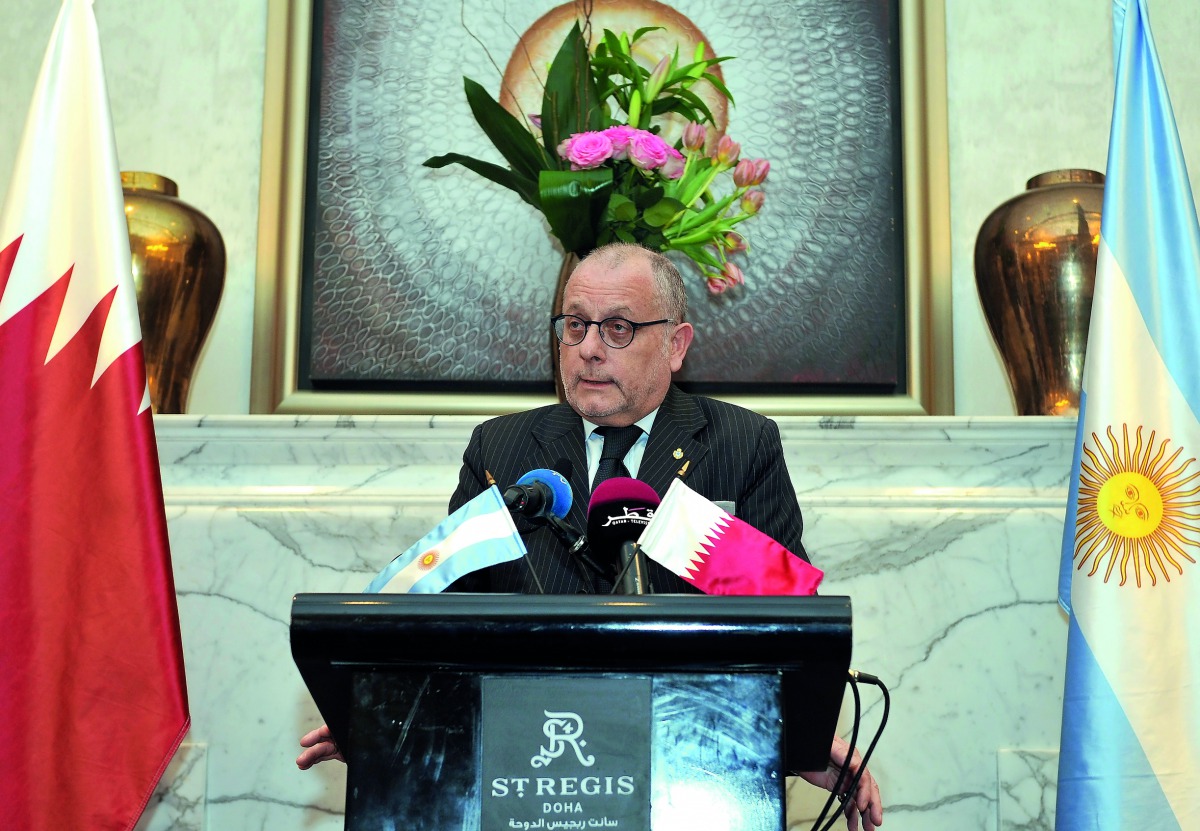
1131, 709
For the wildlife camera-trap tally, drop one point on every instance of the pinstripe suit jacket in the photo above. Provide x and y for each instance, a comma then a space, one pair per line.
732, 454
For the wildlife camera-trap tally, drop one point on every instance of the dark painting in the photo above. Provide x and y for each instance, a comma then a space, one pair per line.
421, 279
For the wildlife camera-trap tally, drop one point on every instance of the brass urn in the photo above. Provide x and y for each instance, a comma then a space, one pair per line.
178, 273
1035, 268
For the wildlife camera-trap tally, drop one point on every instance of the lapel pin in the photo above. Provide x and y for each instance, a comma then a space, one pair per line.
683, 469
678, 454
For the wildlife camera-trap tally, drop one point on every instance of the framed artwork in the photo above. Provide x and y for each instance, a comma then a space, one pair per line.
386, 286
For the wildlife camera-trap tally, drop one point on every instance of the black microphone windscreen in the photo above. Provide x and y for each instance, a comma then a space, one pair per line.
619, 511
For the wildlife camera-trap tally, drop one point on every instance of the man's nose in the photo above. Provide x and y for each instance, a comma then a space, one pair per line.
592, 346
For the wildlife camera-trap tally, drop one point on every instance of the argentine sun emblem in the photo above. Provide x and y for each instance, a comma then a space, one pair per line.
1137, 506
429, 559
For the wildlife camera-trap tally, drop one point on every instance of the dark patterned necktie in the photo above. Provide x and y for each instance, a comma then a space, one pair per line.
617, 442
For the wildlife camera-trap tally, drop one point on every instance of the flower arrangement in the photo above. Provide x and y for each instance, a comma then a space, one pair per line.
595, 164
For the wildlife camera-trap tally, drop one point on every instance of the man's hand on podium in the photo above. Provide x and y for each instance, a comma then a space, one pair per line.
865, 802
320, 748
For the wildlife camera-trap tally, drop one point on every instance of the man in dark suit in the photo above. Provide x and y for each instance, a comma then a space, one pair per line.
727, 453
622, 335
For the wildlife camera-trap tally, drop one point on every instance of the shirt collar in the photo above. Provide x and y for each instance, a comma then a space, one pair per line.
645, 422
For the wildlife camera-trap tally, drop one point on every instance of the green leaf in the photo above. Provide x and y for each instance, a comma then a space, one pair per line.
621, 208
618, 60
699, 254
574, 202
613, 43
647, 196
571, 103
662, 212
603, 64
524, 187
719, 84
654, 241
645, 30
516, 144
695, 68
663, 106
696, 103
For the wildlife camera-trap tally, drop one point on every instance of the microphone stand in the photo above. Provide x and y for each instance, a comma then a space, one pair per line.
576, 545
633, 577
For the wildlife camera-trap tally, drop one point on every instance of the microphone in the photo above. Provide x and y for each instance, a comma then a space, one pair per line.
619, 510
542, 496
539, 494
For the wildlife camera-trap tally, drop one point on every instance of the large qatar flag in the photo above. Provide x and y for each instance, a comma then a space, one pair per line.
92, 696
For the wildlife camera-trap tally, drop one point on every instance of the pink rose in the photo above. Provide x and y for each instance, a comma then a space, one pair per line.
619, 136
673, 167
586, 150
647, 150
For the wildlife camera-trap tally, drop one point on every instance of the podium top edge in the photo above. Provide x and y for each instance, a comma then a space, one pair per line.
829, 608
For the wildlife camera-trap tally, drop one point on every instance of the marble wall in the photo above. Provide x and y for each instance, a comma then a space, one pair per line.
945, 533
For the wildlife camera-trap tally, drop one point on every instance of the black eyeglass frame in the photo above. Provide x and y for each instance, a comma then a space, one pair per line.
599, 324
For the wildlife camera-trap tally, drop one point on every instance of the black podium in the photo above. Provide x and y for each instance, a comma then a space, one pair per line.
662, 712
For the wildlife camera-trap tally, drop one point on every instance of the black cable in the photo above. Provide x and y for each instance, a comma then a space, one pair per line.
865, 678
833, 792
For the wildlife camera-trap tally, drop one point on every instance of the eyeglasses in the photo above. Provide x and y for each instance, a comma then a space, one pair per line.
617, 332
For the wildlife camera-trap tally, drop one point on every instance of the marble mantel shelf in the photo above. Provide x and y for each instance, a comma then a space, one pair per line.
835, 460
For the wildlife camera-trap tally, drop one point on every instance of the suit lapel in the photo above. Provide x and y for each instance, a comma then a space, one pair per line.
673, 442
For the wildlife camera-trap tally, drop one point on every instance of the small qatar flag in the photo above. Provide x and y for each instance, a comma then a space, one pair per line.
719, 553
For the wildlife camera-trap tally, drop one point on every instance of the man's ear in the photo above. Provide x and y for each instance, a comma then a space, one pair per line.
681, 339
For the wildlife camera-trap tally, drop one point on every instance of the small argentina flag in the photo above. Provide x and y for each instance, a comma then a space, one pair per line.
479, 534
